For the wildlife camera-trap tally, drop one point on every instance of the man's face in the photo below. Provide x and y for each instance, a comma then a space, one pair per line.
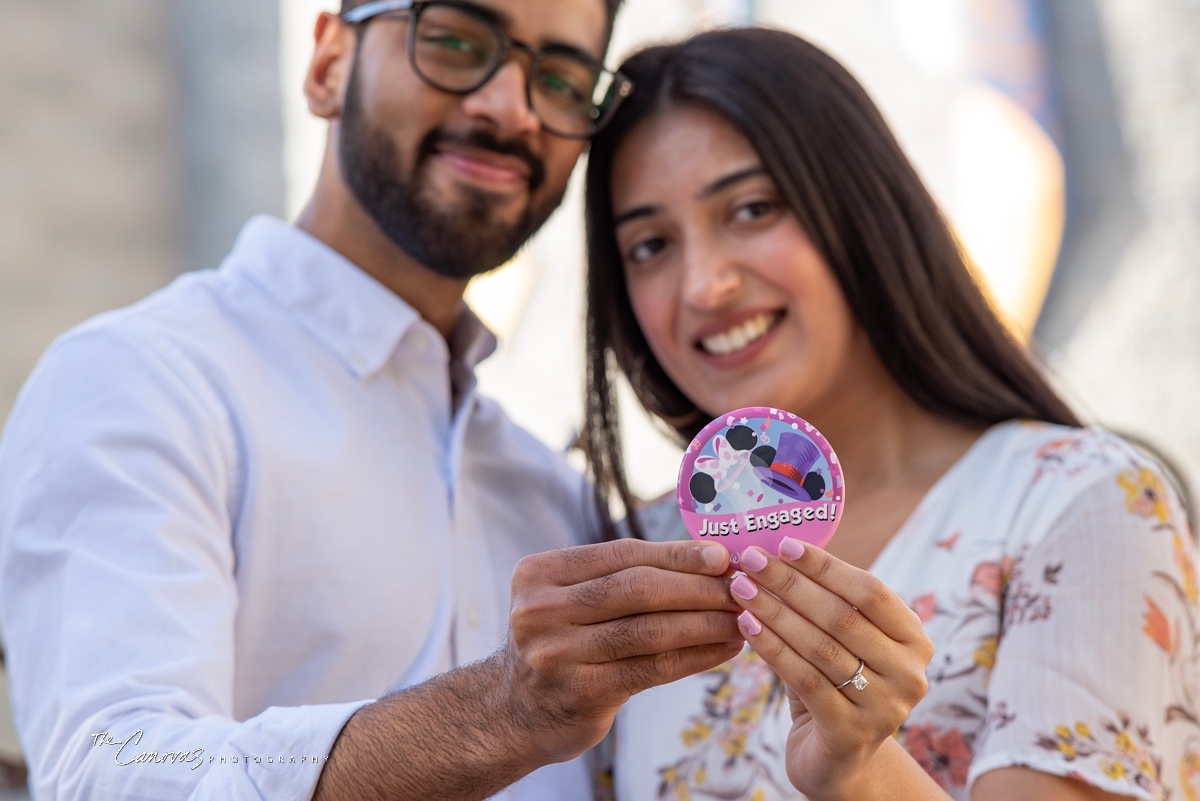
460, 182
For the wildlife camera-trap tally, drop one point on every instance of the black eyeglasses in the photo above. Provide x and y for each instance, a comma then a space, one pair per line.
458, 47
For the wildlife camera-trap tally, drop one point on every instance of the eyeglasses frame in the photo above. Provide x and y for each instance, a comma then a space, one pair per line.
366, 12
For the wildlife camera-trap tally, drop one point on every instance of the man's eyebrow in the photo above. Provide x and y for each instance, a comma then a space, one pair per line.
729, 180
505, 21
495, 15
566, 48
636, 214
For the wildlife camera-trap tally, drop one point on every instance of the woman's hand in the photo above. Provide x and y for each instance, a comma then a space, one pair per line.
817, 619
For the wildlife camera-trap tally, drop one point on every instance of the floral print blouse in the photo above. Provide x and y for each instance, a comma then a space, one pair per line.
1055, 572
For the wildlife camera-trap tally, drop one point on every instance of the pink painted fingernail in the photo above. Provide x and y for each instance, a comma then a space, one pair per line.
743, 588
749, 623
754, 559
791, 549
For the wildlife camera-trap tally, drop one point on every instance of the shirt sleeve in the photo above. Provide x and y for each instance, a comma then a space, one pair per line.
118, 597
1095, 673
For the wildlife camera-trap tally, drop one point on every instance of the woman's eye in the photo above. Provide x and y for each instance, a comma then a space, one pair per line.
748, 212
644, 251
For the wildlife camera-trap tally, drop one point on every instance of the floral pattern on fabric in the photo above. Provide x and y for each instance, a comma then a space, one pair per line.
944, 754
1128, 756
1041, 545
1189, 773
603, 788
724, 743
1144, 494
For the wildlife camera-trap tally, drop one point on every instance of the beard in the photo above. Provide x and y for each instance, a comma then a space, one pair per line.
457, 241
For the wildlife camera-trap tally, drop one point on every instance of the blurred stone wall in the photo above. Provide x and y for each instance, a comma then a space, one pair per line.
230, 120
1122, 328
135, 139
90, 190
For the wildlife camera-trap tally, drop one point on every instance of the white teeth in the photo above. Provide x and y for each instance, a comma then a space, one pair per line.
740, 337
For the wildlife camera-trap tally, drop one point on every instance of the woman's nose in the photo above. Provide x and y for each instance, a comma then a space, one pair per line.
711, 279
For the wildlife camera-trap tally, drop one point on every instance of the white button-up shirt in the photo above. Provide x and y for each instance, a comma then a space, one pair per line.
236, 512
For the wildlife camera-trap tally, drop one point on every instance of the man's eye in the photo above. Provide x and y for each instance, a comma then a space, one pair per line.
452, 43
561, 87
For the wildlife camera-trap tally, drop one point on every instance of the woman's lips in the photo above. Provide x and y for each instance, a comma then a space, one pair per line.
735, 334
750, 348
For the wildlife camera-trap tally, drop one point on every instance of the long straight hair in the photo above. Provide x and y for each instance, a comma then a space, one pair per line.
842, 173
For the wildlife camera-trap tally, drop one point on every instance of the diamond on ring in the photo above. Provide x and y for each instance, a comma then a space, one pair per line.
858, 681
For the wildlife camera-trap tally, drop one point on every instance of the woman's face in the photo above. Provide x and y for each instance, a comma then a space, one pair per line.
737, 304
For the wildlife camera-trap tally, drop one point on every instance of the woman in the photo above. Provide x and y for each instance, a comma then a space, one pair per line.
757, 238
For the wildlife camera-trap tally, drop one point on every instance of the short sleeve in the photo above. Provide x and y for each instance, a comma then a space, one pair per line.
1095, 672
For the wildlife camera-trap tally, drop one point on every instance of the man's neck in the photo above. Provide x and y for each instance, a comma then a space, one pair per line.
336, 218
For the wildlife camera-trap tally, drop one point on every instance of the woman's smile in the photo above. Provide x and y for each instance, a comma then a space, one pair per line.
733, 337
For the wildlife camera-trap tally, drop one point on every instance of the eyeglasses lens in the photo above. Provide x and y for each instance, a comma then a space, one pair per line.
456, 51
567, 93
453, 49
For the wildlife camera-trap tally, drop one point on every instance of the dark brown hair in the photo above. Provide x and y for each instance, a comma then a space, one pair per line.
840, 170
612, 6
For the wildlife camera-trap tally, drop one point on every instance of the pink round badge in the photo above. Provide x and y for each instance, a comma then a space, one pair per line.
755, 476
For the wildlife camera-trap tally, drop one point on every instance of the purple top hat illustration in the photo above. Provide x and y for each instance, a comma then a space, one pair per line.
794, 457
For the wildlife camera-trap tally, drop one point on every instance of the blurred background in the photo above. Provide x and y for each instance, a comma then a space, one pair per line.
1061, 137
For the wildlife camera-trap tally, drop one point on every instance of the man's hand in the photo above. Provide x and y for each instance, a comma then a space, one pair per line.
594, 625
590, 627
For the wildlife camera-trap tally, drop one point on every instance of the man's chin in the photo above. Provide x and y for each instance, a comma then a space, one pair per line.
491, 208
476, 214
458, 243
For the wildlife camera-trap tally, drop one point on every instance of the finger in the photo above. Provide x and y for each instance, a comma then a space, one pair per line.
647, 589
586, 562
810, 685
639, 673
816, 647
862, 590
828, 612
644, 635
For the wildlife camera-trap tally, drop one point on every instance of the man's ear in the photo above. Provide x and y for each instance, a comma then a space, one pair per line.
324, 85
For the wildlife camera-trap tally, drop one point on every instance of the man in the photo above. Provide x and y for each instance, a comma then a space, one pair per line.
235, 514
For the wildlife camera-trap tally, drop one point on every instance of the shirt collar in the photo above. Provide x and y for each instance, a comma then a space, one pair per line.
357, 318
471, 342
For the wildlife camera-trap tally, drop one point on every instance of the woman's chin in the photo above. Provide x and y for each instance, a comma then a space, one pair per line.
717, 405
771, 387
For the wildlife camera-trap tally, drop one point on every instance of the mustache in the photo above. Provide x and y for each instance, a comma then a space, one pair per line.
486, 140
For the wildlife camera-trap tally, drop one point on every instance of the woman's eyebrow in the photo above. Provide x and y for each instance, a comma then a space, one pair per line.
634, 214
708, 191
729, 180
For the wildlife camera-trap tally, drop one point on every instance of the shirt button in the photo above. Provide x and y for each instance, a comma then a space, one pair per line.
419, 341
474, 619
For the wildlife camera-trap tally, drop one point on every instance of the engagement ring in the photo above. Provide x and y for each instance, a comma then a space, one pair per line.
858, 680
